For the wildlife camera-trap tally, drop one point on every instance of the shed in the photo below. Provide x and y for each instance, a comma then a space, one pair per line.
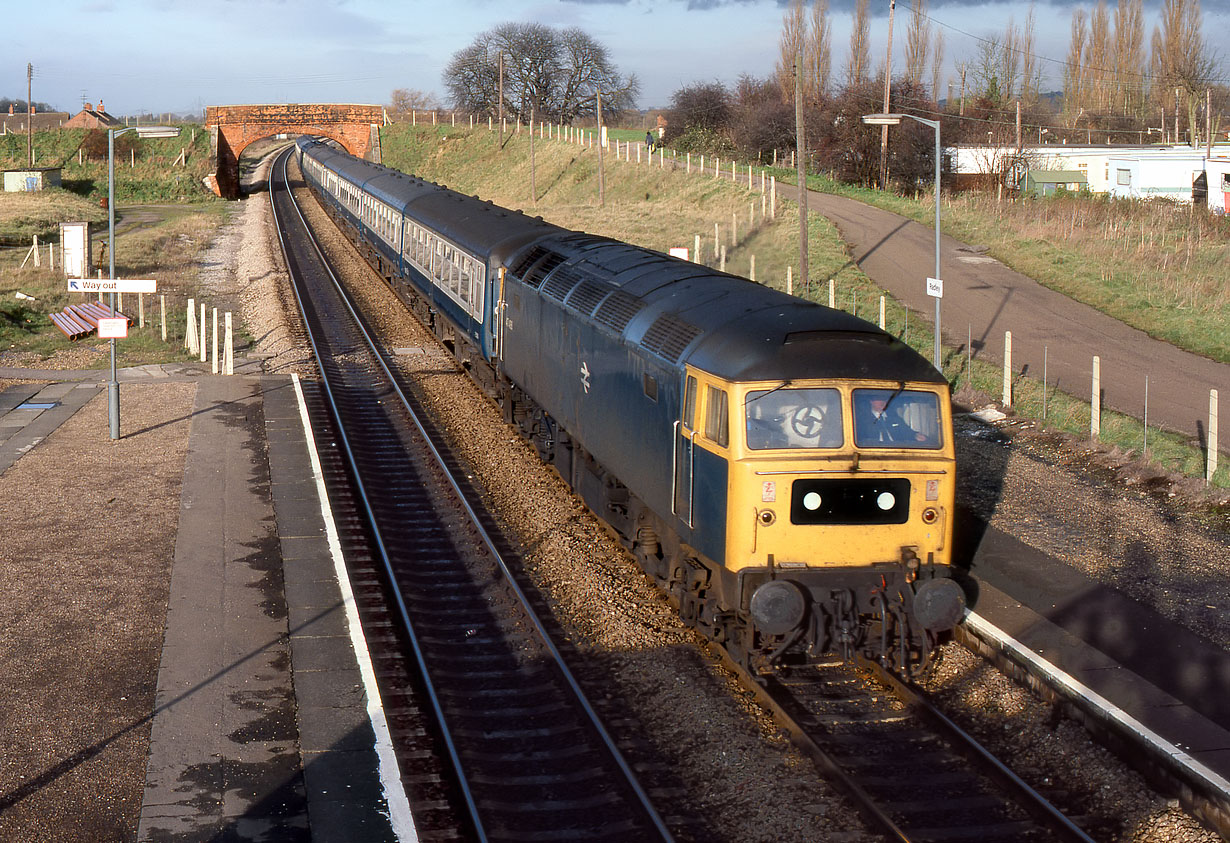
31, 178
1046, 182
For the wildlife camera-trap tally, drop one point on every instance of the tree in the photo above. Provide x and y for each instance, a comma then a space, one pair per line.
1129, 58
860, 56
818, 59
552, 74
794, 27
700, 119
917, 44
404, 100
1181, 60
760, 121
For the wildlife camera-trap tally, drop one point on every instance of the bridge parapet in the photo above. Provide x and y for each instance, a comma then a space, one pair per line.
233, 127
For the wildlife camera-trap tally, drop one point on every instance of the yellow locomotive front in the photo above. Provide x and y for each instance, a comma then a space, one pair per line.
840, 502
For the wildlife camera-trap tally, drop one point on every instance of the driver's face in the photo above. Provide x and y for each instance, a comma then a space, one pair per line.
878, 405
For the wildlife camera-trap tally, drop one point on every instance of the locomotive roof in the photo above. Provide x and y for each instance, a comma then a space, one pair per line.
723, 324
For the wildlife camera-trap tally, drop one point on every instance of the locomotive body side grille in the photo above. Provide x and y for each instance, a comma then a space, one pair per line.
668, 336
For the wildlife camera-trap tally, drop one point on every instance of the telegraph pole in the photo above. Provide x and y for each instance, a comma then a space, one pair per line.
601, 176
29, 116
500, 112
888, 79
801, 148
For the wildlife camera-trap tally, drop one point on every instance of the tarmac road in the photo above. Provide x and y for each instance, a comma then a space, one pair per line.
988, 298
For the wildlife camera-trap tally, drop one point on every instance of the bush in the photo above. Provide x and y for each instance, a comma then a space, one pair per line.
94, 146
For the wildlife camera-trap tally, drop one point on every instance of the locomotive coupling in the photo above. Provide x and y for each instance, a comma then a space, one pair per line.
778, 607
939, 604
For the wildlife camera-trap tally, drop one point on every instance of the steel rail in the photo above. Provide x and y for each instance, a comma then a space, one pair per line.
583, 703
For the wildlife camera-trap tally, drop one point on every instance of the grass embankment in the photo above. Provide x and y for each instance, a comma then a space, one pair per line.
1153, 265
156, 175
663, 208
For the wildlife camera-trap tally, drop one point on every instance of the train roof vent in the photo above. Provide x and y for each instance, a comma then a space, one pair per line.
561, 283
540, 270
668, 336
586, 296
527, 260
618, 309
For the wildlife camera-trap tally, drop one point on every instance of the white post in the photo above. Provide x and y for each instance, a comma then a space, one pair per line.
773, 197
716, 241
190, 335
751, 215
204, 348
789, 281
214, 367
734, 229
1095, 400
37, 253
881, 313
163, 304
140, 310
722, 264
689, 163
717, 167
752, 272
1008, 369
228, 362
120, 306
832, 294
1210, 460
696, 250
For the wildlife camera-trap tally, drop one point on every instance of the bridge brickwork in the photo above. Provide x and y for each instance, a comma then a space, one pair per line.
233, 127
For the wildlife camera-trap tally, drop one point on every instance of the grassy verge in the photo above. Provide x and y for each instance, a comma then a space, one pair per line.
1156, 266
663, 208
167, 249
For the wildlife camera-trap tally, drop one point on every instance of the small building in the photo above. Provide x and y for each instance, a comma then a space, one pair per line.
20, 122
92, 118
1047, 182
1218, 172
31, 178
1149, 175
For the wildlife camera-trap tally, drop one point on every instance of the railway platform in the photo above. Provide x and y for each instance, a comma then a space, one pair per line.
262, 726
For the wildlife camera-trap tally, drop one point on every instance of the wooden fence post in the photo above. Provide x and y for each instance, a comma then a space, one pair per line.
1095, 400
1210, 460
1007, 400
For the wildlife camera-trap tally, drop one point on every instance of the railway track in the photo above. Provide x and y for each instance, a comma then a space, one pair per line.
523, 755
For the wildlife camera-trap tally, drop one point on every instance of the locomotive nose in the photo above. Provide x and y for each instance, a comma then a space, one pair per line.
778, 606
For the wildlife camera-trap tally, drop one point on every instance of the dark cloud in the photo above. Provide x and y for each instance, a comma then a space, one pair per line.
879, 8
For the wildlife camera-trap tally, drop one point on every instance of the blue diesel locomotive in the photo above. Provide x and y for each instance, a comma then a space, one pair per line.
785, 471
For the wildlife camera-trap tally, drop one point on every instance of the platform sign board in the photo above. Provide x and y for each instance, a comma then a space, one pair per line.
113, 328
75, 244
935, 288
112, 285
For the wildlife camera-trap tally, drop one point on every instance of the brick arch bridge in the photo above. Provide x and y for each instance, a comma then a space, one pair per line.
233, 127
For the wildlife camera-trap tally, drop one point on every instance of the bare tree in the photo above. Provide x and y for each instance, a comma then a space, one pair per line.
860, 56
1098, 60
554, 74
794, 26
1128, 86
818, 53
404, 100
1027, 50
917, 42
1075, 80
937, 65
1181, 59
1010, 61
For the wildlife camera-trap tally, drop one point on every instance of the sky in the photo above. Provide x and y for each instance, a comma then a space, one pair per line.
177, 56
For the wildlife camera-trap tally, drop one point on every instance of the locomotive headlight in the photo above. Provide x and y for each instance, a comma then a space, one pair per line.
811, 501
767, 517
886, 501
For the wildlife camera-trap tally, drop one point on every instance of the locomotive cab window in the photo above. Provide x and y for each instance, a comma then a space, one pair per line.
717, 416
793, 418
896, 418
689, 404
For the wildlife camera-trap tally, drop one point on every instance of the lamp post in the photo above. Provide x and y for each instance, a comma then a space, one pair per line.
893, 120
113, 386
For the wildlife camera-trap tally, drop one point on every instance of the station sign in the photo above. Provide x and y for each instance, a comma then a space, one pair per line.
935, 288
113, 328
112, 285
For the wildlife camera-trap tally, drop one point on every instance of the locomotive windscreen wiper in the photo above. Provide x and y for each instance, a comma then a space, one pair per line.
896, 392
782, 385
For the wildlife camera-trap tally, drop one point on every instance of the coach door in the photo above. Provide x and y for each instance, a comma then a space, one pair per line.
683, 483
